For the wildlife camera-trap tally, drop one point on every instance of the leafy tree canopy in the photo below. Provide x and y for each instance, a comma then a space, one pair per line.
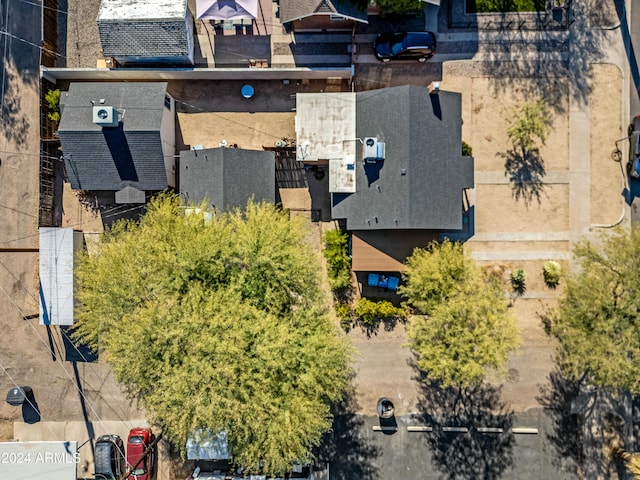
529, 124
598, 318
434, 274
218, 324
399, 6
465, 327
336, 251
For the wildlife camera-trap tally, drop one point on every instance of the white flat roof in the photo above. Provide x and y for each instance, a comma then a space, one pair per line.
325, 125
142, 9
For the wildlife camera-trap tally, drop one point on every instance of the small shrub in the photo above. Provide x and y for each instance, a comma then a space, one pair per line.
343, 311
551, 272
344, 314
52, 97
518, 277
338, 260
467, 151
369, 311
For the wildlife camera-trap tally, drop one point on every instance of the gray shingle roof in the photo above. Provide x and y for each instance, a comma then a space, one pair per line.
419, 184
227, 177
131, 154
152, 31
291, 10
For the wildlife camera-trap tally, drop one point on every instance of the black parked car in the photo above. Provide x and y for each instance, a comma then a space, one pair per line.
418, 46
109, 458
633, 165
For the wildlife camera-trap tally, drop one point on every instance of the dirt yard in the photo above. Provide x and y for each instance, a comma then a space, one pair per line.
247, 130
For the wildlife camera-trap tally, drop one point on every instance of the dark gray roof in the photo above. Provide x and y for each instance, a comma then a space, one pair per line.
135, 32
419, 184
131, 154
291, 10
227, 177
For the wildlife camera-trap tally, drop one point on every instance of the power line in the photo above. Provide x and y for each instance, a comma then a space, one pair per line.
29, 401
78, 389
44, 6
3, 32
65, 335
107, 215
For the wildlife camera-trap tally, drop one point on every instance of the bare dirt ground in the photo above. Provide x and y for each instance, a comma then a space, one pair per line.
247, 130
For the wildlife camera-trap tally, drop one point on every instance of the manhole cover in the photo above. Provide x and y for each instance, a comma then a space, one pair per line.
513, 375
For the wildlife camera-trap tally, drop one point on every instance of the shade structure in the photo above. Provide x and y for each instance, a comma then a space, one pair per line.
227, 9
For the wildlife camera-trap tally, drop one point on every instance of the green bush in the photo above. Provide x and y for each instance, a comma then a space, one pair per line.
343, 311
338, 260
344, 314
399, 7
369, 311
518, 277
551, 272
467, 151
52, 98
484, 6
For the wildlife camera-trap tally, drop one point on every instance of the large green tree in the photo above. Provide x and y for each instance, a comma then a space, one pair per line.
218, 323
462, 327
598, 317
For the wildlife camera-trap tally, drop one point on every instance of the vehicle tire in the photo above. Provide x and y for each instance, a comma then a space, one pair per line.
629, 129
422, 59
385, 60
629, 167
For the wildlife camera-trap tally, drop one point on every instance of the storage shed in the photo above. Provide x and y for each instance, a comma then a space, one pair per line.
151, 32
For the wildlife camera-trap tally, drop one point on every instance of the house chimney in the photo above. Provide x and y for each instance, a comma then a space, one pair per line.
434, 88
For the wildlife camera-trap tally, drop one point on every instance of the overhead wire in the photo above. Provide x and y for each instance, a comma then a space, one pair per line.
54, 344
108, 214
30, 402
78, 389
70, 341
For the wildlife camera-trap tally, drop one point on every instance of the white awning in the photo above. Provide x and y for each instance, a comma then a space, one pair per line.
226, 9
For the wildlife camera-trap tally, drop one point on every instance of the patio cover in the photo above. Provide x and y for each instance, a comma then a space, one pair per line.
226, 9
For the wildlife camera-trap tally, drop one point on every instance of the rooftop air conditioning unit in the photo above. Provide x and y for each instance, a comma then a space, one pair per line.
105, 116
373, 149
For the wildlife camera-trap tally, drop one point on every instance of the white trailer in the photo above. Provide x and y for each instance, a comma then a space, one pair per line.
39, 460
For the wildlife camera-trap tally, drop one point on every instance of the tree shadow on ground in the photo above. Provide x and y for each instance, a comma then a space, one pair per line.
557, 61
371, 329
525, 171
15, 124
559, 398
478, 454
345, 448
